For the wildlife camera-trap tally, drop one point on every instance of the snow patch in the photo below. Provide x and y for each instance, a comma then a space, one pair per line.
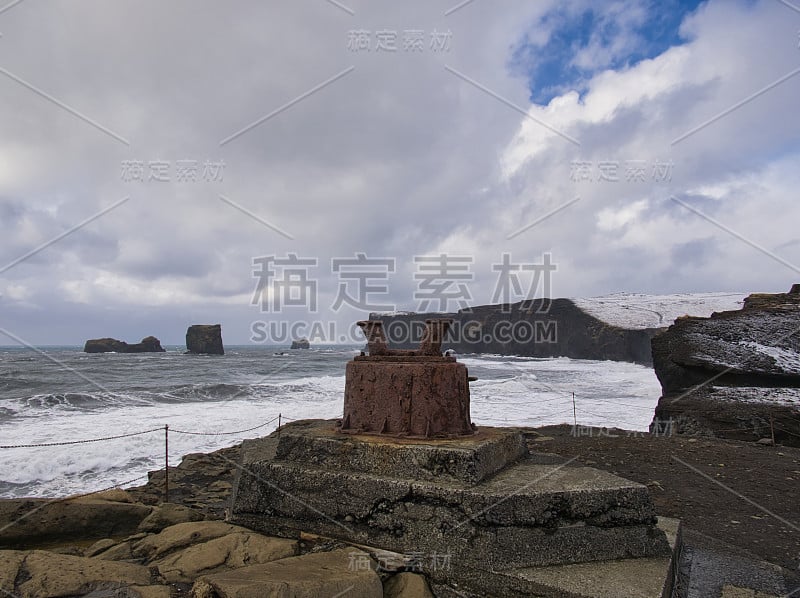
638, 311
787, 360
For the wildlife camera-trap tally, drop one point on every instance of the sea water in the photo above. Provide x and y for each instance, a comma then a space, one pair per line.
61, 395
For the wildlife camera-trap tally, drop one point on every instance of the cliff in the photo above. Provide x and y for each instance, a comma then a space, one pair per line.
537, 328
735, 374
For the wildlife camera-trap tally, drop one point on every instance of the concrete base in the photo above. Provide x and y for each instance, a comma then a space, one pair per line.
468, 459
632, 578
439, 499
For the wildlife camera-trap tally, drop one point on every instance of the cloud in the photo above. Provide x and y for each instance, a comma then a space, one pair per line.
398, 156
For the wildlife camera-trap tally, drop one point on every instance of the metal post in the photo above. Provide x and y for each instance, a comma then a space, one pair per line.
772, 428
166, 462
574, 412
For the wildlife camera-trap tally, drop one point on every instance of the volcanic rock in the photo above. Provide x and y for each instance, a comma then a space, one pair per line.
204, 339
534, 328
735, 374
149, 344
301, 344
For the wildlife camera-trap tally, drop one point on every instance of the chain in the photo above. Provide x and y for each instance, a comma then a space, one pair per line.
225, 433
13, 446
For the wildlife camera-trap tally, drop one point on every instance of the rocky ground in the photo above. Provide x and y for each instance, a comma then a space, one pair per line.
131, 544
736, 499
741, 493
761, 479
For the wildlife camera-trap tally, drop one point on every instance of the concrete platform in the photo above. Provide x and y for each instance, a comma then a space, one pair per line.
526, 515
468, 459
629, 578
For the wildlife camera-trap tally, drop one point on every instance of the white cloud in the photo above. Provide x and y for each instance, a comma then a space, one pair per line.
399, 157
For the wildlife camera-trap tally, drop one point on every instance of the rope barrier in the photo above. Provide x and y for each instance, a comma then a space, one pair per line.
224, 433
65, 443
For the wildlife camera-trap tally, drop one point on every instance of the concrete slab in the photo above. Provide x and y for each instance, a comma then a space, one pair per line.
468, 459
631, 578
468, 512
528, 514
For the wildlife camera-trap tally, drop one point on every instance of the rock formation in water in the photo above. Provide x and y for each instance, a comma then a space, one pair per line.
204, 339
149, 344
301, 344
735, 374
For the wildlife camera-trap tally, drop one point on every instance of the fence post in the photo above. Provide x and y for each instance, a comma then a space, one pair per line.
772, 427
279, 424
574, 412
166, 462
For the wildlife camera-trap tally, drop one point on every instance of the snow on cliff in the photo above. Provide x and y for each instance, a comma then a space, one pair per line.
634, 310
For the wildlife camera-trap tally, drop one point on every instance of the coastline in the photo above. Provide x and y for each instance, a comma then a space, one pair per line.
716, 521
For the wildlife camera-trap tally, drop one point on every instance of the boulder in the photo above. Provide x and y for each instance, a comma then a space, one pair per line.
10, 563
34, 522
149, 344
45, 574
156, 591
735, 374
406, 585
99, 547
317, 575
301, 343
169, 514
182, 535
204, 339
228, 552
117, 552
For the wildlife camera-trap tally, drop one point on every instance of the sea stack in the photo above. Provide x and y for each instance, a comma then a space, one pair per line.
149, 344
301, 344
204, 339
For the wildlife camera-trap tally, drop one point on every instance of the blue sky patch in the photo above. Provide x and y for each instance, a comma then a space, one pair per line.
585, 41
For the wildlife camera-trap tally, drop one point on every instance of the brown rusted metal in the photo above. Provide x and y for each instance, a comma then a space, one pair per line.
416, 393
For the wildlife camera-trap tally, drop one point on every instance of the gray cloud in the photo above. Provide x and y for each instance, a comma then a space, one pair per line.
398, 157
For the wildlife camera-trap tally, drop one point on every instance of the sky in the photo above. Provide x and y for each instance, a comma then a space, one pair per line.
284, 168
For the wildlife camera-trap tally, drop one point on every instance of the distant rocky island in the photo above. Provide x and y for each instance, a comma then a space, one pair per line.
301, 343
149, 344
204, 339
201, 339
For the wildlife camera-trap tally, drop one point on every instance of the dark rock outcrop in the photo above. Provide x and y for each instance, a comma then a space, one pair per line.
735, 374
301, 344
204, 339
537, 328
149, 344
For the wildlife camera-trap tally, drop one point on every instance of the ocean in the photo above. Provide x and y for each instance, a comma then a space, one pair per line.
61, 395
